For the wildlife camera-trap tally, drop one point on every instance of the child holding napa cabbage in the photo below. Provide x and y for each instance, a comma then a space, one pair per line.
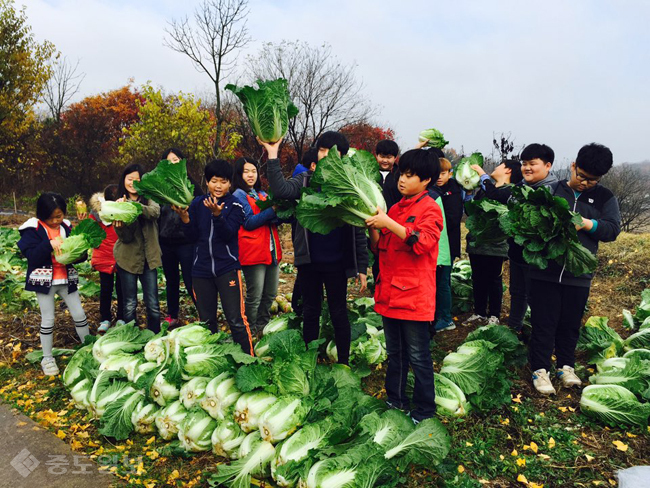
103, 261
41, 241
406, 239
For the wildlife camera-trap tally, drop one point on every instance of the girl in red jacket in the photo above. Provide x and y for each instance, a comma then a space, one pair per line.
103, 261
407, 241
259, 244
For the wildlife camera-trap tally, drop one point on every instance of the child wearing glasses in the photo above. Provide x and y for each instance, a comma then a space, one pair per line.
557, 297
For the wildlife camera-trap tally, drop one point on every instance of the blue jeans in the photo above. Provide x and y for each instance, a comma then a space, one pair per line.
443, 294
261, 289
407, 342
149, 280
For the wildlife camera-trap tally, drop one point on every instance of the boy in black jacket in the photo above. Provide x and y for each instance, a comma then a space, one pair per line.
557, 297
386, 152
212, 223
322, 259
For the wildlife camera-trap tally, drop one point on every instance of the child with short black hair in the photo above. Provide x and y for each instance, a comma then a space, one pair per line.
557, 297
407, 241
40, 241
451, 194
322, 260
386, 153
212, 223
103, 261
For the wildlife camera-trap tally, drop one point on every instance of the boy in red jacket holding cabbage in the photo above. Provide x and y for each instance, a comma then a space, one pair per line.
407, 242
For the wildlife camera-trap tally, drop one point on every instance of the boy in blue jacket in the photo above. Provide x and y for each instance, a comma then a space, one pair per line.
212, 223
557, 297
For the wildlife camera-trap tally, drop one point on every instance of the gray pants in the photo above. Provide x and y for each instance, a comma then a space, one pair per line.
47, 306
261, 289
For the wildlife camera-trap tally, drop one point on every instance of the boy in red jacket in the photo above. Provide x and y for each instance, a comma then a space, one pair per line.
407, 241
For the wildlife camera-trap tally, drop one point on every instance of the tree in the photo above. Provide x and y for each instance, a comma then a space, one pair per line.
24, 71
219, 29
631, 186
62, 86
326, 92
85, 146
366, 136
176, 120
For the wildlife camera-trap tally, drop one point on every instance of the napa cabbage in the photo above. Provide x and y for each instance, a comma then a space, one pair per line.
433, 137
168, 420
227, 438
83, 237
221, 393
167, 184
465, 175
450, 399
268, 108
126, 212
614, 405
250, 406
195, 432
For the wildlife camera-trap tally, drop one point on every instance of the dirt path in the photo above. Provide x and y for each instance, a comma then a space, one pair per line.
31, 456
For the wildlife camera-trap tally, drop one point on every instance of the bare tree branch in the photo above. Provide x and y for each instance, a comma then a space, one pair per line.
326, 92
218, 29
62, 86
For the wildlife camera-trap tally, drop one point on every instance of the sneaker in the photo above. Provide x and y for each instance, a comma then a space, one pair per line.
173, 323
392, 406
104, 325
542, 382
568, 377
474, 318
119, 322
493, 320
440, 326
49, 366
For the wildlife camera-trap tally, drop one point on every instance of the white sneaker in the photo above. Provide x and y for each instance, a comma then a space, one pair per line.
49, 366
474, 318
542, 382
493, 320
568, 377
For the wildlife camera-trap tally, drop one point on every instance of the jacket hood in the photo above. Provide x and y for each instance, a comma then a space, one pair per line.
96, 202
32, 223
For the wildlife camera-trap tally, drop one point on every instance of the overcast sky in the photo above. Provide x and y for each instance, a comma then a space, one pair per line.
560, 72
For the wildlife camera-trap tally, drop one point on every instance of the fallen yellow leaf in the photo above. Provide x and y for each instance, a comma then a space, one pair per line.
517, 399
535, 485
551, 443
60, 434
589, 458
562, 409
514, 452
505, 422
20, 424
502, 457
522, 479
521, 462
461, 469
620, 446
468, 444
544, 456
630, 435
151, 440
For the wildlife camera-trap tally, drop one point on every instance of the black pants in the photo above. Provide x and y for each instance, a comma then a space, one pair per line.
172, 257
519, 289
106, 281
312, 279
487, 283
296, 296
556, 315
228, 288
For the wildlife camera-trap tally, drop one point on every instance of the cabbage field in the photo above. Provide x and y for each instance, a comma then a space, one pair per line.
192, 410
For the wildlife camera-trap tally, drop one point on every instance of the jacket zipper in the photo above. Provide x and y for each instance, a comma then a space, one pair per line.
210, 246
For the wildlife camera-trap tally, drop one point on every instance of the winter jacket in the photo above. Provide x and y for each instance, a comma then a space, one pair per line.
356, 250
102, 258
215, 238
35, 245
170, 227
137, 243
452, 199
258, 230
406, 288
389, 187
600, 205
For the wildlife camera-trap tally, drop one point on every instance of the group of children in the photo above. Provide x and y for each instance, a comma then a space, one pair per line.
224, 233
